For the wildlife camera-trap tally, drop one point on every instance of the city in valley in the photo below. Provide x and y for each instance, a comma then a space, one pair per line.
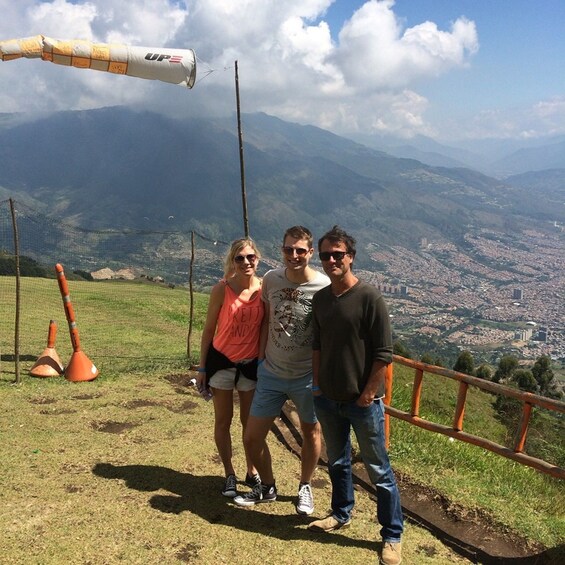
493, 295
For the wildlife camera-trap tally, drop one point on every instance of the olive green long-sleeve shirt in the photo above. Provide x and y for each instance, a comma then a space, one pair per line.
351, 331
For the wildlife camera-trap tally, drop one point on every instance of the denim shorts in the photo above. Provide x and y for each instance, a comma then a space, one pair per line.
225, 380
273, 391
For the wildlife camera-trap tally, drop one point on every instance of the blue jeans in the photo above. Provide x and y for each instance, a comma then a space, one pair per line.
337, 419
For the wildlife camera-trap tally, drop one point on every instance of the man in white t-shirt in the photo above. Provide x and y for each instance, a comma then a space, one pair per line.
285, 370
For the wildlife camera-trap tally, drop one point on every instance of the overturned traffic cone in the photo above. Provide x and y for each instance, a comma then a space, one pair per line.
80, 367
48, 363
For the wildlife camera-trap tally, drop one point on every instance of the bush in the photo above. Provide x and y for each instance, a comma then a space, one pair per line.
28, 267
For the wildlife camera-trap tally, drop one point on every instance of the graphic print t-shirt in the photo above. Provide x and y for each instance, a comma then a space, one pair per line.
289, 344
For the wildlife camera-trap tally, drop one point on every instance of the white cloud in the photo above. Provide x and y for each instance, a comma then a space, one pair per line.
290, 64
55, 18
543, 118
374, 52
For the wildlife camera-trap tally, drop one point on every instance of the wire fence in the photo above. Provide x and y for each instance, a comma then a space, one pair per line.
172, 265
166, 260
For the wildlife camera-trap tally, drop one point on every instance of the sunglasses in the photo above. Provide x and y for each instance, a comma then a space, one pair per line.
241, 258
287, 250
327, 255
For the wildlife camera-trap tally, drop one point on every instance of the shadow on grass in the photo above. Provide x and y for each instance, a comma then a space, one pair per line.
200, 496
22, 357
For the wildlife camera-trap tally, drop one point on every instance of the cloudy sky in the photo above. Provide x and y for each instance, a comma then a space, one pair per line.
449, 69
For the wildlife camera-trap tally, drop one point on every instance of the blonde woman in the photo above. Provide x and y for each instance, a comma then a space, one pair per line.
229, 348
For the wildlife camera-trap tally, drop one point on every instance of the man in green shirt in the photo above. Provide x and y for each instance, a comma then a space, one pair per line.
351, 349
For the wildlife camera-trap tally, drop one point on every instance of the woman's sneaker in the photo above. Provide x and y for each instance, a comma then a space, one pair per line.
230, 487
252, 480
305, 504
259, 493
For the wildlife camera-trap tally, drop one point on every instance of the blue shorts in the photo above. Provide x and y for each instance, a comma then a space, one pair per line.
272, 392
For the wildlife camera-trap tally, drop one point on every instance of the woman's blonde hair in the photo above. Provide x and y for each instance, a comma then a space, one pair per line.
235, 248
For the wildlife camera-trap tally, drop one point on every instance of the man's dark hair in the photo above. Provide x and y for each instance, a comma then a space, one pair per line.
299, 232
337, 235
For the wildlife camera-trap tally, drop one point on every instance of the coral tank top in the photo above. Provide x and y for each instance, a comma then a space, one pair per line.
239, 324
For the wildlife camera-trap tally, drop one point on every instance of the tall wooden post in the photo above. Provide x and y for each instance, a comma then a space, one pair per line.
17, 321
191, 314
241, 163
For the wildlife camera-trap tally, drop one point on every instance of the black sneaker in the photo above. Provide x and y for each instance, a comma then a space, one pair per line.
259, 493
230, 486
252, 480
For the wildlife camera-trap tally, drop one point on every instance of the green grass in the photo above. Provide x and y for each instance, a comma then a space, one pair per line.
123, 326
70, 490
73, 492
528, 501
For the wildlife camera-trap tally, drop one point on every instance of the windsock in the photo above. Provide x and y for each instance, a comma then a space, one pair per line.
176, 66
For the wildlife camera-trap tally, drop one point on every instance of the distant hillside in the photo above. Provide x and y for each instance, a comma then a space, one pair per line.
550, 180
550, 156
428, 157
499, 157
113, 167
548, 186
423, 149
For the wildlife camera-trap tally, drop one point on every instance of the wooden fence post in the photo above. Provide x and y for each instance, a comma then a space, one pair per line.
191, 314
17, 321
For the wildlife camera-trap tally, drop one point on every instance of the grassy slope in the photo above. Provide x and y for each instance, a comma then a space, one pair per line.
53, 438
471, 476
72, 492
123, 326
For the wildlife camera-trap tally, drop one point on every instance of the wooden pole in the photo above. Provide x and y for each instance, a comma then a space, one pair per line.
17, 322
191, 315
241, 162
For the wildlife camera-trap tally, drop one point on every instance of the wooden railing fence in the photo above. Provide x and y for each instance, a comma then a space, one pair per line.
527, 399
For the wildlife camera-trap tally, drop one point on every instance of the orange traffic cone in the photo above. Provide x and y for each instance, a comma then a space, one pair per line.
80, 367
48, 363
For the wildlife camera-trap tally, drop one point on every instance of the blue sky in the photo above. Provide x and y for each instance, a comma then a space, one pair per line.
521, 58
520, 61
449, 69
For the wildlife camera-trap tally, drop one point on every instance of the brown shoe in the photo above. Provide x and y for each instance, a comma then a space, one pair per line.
328, 524
392, 553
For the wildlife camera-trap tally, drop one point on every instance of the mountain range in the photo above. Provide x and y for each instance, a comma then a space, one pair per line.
115, 167
496, 157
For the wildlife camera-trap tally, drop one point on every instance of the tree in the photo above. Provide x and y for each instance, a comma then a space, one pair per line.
542, 373
427, 358
399, 348
525, 380
483, 372
465, 363
28, 267
506, 366
84, 274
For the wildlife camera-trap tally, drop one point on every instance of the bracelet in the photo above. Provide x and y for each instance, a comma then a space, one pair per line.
315, 388
201, 369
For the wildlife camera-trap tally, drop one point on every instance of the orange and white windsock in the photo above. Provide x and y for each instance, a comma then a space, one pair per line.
176, 66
